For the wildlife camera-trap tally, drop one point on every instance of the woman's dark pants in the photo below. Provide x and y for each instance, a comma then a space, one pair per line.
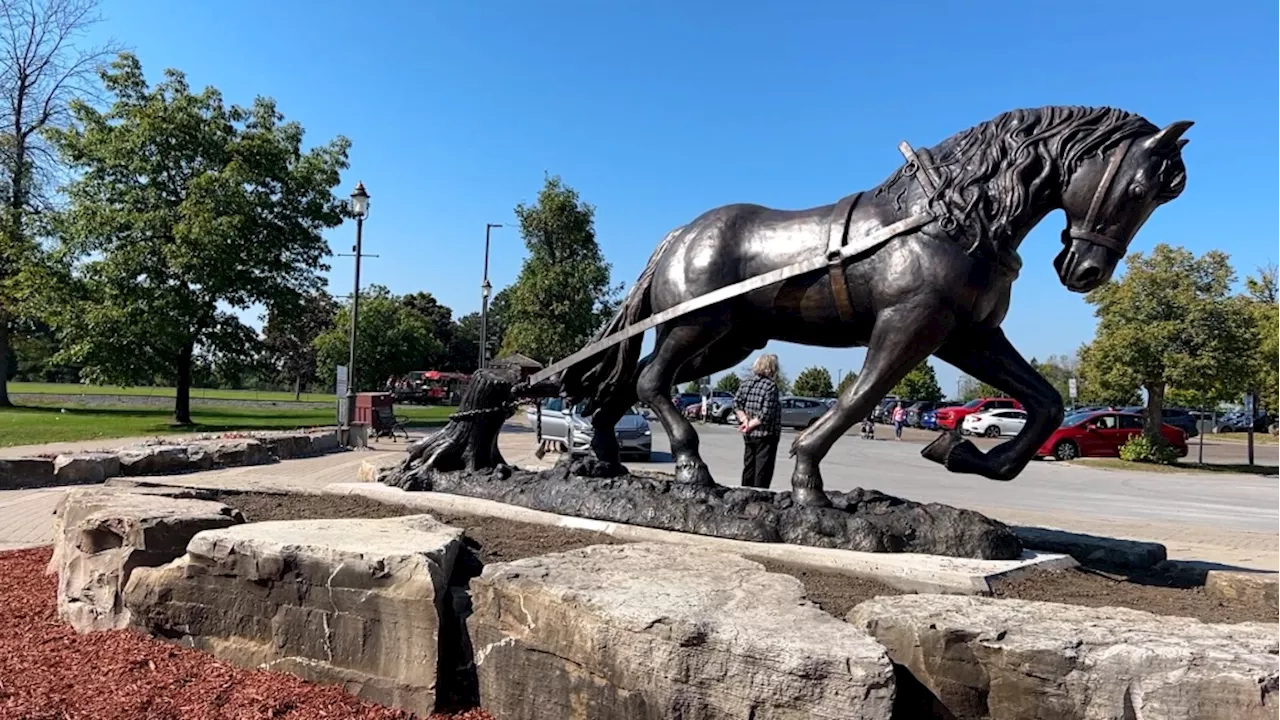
758, 457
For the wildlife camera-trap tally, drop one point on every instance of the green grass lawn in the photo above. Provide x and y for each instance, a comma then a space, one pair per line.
1263, 438
196, 393
36, 424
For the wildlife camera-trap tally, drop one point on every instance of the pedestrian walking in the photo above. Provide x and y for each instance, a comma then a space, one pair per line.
899, 419
759, 412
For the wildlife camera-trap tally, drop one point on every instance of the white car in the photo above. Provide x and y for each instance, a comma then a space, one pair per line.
994, 423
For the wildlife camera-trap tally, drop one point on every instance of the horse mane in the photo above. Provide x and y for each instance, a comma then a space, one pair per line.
989, 173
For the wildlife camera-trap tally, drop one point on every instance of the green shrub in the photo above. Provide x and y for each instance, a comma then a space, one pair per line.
1140, 448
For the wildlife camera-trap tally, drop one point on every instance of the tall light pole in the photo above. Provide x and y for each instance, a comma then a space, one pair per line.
485, 289
359, 210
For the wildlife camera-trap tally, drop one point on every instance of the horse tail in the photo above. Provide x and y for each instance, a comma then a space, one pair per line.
604, 374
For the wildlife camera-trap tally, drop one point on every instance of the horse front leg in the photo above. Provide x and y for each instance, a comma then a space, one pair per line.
989, 357
903, 337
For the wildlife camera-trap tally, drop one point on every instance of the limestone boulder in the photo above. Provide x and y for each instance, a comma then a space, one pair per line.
26, 472
85, 468
102, 535
1254, 586
349, 602
286, 446
155, 460
230, 453
1017, 659
655, 631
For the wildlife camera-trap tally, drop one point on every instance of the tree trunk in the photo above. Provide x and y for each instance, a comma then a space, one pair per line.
297, 388
4, 361
1155, 413
182, 399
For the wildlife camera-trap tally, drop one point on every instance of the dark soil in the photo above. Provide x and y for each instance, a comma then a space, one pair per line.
496, 540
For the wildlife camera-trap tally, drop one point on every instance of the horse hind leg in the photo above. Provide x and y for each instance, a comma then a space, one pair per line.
676, 346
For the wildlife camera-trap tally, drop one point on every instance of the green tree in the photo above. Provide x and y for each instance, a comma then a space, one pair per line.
692, 387
971, 389
814, 382
1170, 321
43, 68
1261, 298
848, 379
1058, 370
391, 340
563, 293
181, 207
919, 384
464, 350
729, 382
289, 334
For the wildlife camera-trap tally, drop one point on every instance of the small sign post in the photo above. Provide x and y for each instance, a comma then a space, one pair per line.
341, 391
1071, 390
1251, 419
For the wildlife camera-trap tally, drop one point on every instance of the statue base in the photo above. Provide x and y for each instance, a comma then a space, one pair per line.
862, 520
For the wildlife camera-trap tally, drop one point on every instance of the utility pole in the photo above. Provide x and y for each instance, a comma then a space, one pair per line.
485, 289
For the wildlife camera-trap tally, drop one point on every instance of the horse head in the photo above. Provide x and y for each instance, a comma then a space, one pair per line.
1109, 197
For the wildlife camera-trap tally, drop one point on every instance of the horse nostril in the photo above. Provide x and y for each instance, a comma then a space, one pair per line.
1089, 274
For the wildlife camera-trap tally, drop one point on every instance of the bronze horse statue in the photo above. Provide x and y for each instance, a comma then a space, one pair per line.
935, 280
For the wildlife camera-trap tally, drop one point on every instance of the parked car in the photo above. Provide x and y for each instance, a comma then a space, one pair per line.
684, 400
1239, 422
929, 420
801, 412
1177, 417
994, 423
883, 413
1101, 434
916, 411
950, 418
635, 438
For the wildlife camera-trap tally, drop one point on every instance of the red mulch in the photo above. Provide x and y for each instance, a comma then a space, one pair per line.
49, 672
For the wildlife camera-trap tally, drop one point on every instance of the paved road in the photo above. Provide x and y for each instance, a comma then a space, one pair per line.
1235, 502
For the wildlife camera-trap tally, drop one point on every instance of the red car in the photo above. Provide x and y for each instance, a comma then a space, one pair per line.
1100, 434
949, 418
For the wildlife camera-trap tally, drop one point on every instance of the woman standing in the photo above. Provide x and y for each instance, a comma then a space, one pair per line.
759, 412
899, 419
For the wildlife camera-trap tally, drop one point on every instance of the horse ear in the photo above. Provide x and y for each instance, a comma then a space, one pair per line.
1168, 136
1182, 142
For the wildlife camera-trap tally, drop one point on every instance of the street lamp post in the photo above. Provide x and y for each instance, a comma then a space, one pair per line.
359, 210
485, 289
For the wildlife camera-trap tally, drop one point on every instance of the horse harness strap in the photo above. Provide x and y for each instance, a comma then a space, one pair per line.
1095, 206
838, 237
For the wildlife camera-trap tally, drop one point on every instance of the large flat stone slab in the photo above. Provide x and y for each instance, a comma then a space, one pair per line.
652, 631
1018, 659
85, 468
102, 535
913, 572
349, 602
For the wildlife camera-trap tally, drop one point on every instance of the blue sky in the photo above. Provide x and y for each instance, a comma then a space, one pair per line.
660, 110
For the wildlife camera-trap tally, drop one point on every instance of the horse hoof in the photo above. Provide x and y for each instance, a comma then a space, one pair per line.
694, 474
810, 497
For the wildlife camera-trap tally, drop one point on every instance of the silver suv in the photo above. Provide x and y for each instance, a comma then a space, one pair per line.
801, 412
634, 436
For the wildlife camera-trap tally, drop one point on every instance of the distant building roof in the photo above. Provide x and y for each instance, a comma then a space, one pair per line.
518, 360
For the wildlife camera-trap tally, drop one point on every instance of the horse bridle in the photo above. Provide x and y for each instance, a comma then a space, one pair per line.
1095, 206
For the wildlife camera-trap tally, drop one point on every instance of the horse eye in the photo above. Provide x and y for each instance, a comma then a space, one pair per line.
1138, 189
